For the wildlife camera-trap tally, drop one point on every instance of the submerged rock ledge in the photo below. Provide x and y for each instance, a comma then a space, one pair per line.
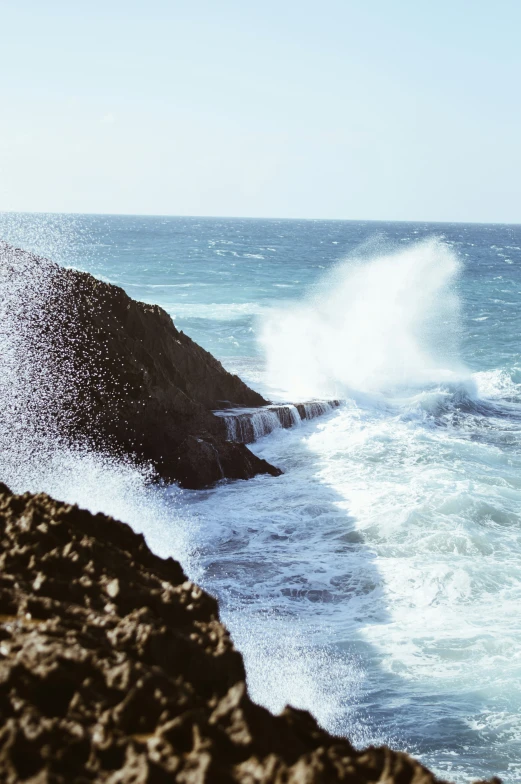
114, 668
244, 426
91, 365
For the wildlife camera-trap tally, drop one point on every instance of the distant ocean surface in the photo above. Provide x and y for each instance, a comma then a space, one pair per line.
377, 583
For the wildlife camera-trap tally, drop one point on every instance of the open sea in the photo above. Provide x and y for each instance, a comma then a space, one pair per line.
377, 583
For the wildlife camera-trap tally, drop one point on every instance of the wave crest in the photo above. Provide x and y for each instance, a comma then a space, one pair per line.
373, 325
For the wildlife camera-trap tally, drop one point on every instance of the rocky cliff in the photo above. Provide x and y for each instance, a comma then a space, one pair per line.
115, 668
95, 366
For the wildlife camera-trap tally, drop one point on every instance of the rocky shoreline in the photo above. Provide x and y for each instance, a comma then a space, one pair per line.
115, 668
117, 375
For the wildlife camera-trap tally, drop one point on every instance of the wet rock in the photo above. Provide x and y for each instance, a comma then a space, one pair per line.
95, 367
203, 461
114, 668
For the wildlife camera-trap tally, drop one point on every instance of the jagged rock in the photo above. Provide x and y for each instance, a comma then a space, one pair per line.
114, 668
96, 366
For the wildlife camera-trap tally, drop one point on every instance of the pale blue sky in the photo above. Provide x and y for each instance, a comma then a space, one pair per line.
391, 110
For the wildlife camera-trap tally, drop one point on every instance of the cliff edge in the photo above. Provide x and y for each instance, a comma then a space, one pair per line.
115, 668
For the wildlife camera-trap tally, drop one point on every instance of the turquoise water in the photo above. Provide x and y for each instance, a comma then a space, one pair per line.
377, 582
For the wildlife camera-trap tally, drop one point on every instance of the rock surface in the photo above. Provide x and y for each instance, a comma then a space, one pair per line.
116, 373
114, 668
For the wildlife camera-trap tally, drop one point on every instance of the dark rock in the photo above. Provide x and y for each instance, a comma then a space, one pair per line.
202, 461
115, 668
99, 368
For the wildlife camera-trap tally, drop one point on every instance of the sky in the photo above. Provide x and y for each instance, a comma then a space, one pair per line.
346, 109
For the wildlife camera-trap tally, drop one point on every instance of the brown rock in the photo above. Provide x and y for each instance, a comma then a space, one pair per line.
115, 668
93, 366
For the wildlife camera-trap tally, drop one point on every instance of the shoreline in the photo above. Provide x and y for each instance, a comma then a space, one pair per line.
114, 666
120, 396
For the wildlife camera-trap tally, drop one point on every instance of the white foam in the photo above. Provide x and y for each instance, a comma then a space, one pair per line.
499, 383
384, 322
377, 582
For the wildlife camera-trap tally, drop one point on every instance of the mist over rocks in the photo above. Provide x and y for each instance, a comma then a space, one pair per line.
83, 363
115, 668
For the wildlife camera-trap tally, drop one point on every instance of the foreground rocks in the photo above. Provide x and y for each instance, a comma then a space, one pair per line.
93, 366
115, 668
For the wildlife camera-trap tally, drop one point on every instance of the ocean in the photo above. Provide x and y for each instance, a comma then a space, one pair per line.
377, 583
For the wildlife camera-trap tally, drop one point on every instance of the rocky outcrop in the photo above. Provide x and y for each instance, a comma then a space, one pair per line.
115, 668
104, 369
244, 426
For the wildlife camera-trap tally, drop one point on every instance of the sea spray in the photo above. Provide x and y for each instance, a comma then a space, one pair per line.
371, 325
37, 403
29, 389
391, 544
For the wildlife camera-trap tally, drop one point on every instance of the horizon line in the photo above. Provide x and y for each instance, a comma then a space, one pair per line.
256, 218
